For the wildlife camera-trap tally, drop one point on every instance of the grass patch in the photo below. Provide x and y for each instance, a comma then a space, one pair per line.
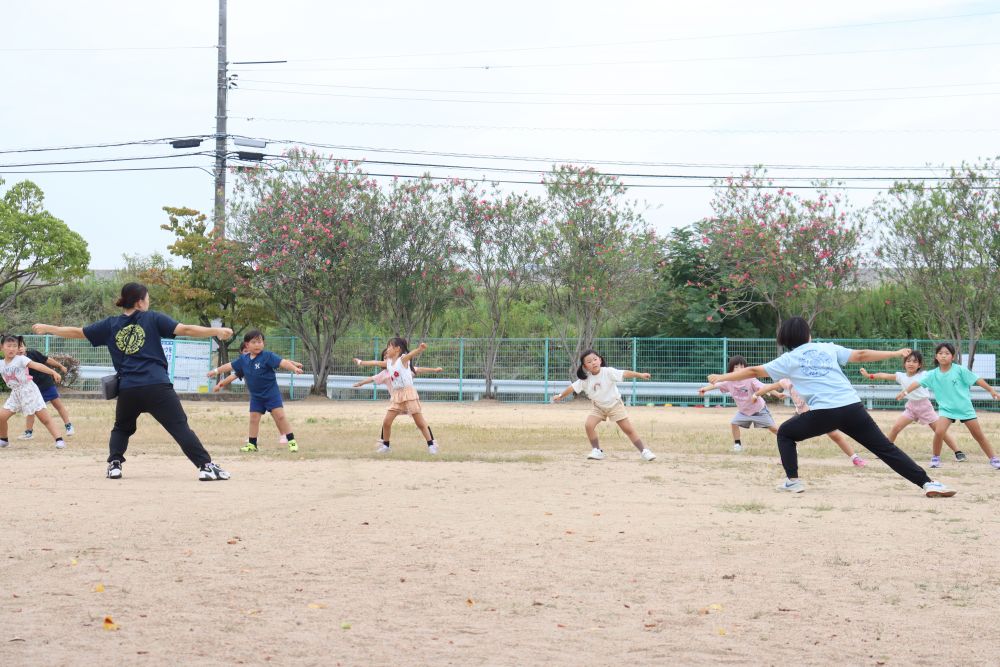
753, 508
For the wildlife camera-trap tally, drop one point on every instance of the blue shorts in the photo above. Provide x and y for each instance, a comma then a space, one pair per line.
50, 394
265, 403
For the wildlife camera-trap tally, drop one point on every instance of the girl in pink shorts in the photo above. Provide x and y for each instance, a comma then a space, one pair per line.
385, 379
919, 408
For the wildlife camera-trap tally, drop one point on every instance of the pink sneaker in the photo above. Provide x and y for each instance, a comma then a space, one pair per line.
858, 461
282, 440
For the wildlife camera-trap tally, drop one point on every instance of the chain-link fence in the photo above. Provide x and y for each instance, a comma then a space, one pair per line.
532, 370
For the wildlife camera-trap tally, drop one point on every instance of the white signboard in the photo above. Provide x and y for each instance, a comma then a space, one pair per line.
188, 361
985, 366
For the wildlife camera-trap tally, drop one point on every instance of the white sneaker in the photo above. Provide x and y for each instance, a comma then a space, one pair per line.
596, 454
212, 473
27, 435
115, 470
937, 490
70, 430
647, 455
382, 447
737, 447
432, 448
792, 487
60, 444
935, 462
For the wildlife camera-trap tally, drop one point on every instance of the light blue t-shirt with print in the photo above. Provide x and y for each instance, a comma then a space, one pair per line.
814, 369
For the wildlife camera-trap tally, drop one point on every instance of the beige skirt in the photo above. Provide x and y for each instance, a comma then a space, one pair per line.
405, 401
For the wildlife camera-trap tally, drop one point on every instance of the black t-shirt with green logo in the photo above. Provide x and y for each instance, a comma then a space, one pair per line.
135, 344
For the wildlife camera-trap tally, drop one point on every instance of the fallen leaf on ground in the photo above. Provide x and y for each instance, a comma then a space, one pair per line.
99, 588
317, 605
109, 623
470, 602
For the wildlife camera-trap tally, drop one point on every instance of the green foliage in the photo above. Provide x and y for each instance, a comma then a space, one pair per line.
680, 308
415, 257
944, 243
38, 249
600, 255
307, 228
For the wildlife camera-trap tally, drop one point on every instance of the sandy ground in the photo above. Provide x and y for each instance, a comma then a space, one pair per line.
508, 549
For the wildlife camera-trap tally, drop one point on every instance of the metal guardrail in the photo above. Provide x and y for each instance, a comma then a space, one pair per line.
339, 387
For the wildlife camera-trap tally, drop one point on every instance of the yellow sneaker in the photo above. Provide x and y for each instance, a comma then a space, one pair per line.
249, 447
293, 446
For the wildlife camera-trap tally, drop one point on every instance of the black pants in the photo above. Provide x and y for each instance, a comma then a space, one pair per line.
854, 421
161, 401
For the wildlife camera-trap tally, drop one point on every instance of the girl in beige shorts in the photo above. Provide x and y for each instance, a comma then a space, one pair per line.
405, 400
599, 382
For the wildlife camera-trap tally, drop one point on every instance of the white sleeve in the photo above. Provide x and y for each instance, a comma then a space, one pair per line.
616, 374
577, 386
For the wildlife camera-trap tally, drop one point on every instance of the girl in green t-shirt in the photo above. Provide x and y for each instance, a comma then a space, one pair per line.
950, 383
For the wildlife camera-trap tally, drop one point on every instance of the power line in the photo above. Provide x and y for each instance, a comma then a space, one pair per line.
98, 160
806, 54
138, 142
664, 40
565, 160
627, 94
549, 128
623, 104
100, 49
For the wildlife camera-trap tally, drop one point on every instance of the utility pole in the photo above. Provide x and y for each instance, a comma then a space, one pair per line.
220, 128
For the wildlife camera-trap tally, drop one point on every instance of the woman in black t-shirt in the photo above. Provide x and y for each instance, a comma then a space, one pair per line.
134, 341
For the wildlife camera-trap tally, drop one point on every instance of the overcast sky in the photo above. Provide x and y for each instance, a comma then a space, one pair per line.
725, 84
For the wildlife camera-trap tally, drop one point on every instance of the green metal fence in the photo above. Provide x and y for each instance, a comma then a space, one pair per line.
546, 360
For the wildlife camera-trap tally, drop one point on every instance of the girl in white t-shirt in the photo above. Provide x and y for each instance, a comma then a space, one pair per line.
405, 400
919, 408
599, 382
383, 378
24, 395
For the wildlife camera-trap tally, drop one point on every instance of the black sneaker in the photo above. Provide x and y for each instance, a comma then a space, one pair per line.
960, 456
115, 470
212, 473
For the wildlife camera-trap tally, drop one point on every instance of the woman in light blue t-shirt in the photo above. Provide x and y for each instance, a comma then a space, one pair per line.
834, 405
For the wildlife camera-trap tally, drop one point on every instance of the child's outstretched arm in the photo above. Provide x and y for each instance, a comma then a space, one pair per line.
367, 380
768, 388
414, 353
628, 375
226, 382
565, 392
707, 388
42, 368
224, 368
55, 364
876, 376
985, 385
742, 374
913, 387
289, 365
862, 356
370, 362
426, 369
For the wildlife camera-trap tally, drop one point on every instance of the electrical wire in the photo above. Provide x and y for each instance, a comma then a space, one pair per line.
138, 142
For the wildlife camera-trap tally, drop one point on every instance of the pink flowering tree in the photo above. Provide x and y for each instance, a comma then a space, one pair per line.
774, 248
600, 257
415, 257
942, 243
501, 252
306, 226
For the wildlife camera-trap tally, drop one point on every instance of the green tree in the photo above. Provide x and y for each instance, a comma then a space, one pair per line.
415, 262
306, 226
600, 256
943, 242
680, 307
501, 251
39, 250
216, 284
